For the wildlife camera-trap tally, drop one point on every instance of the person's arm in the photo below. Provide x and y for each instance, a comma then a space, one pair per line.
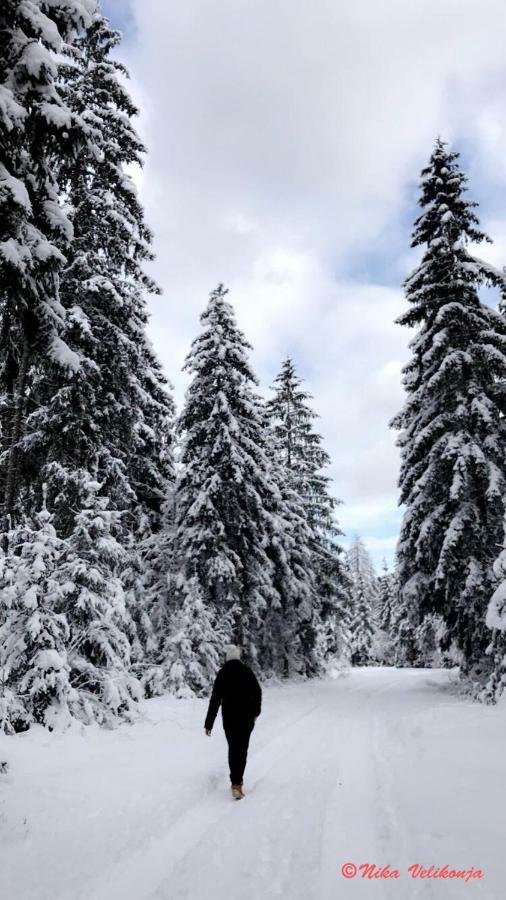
214, 703
257, 696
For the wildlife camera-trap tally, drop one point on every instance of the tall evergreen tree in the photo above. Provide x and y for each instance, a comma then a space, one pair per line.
113, 418
37, 129
452, 425
300, 454
237, 532
363, 601
105, 277
83, 395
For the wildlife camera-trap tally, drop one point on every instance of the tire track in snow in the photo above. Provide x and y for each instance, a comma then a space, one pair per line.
273, 847
349, 832
388, 735
139, 877
390, 831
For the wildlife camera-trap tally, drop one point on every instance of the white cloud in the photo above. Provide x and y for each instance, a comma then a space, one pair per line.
285, 143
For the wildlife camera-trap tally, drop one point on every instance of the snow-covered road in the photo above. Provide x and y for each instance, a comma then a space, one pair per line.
382, 766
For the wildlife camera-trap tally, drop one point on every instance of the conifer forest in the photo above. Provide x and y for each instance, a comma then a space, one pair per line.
252, 450
137, 537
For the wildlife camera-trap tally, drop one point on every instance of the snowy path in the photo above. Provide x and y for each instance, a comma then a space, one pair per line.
383, 766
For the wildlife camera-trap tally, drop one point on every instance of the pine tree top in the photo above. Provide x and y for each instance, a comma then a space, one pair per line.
299, 448
223, 420
288, 387
221, 348
448, 216
448, 273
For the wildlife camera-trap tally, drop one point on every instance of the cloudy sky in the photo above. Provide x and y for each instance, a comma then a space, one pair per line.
285, 142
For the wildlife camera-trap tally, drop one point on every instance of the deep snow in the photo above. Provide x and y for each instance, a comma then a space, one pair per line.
381, 766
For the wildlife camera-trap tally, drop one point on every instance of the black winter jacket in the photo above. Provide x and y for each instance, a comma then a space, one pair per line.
239, 693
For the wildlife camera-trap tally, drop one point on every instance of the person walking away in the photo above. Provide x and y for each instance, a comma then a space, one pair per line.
240, 695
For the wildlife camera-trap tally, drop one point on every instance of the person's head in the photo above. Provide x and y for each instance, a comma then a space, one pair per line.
232, 652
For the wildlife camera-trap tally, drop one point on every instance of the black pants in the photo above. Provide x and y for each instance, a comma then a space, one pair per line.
238, 735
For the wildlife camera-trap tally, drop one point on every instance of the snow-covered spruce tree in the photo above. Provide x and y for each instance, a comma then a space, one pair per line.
156, 584
113, 419
94, 603
396, 642
452, 426
386, 601
106, 274
496, 622
34, 634
291, 628
363, 601
136, 378
149, 522
236, 532
298, 446
300, 454
404, 645
194, 648
93, 400
387, 585
37, 128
